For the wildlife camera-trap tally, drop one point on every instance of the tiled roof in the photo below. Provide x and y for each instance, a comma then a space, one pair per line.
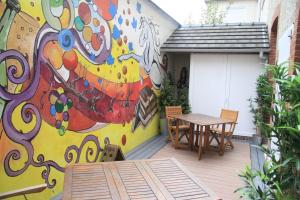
243, 37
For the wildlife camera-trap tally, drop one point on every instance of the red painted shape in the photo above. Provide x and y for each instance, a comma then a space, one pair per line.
103, 8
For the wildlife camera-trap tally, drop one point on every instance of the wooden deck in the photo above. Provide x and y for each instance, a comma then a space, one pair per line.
219, 173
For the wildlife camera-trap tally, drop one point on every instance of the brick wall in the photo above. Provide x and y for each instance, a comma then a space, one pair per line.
295, 45
273, 43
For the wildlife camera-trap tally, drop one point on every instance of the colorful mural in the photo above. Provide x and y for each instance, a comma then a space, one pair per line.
74, 75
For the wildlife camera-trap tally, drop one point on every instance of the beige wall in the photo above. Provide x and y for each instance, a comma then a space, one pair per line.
287, 14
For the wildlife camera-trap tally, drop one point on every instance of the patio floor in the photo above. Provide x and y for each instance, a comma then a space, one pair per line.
219, 173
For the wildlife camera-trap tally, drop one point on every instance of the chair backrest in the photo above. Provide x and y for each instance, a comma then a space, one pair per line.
173, 110
230, 115
112, 153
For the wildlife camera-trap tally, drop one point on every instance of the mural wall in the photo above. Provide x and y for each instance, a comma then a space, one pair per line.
74, 76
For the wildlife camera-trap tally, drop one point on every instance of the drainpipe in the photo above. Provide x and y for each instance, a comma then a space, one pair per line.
263, 57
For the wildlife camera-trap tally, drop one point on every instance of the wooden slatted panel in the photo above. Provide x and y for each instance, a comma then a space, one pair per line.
141, 179
90, 183
176, 181
136, 185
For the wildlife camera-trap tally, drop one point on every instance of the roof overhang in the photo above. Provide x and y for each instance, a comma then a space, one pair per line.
187, 50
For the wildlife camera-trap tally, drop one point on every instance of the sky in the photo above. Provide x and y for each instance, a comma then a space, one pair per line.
183, 10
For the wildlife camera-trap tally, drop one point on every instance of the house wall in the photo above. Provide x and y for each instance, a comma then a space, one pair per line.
224, 81
82, 72
287, 12
239, 11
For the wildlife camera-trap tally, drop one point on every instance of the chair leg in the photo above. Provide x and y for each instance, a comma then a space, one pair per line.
230, 142
171, 138
214, 136
181, 136
187, 138
217, 139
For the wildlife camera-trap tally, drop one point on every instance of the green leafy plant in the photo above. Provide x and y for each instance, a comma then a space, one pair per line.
261, 105
183, 100
167, 95
171, 96
281, 173
213, 14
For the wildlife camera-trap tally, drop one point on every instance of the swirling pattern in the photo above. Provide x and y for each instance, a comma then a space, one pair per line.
69, 156
29, 111
57, 27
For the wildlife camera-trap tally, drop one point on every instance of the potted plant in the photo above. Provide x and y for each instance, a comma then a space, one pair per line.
183, 99
167, 97
171, 96
280, 175
261, 107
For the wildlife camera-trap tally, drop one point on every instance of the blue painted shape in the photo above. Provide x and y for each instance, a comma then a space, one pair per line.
112, 9
116, 32
75, 3
130, 46
110, 60
52, 110
120, 20
66, 39
99, 80
134, 23
92, 57
139, 7
86, 83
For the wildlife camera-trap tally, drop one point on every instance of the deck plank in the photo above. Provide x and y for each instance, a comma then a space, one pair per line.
219, 173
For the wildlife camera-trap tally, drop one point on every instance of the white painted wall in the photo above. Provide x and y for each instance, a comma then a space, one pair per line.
239, 11
284, 45
263, 10
224, 81
166, 25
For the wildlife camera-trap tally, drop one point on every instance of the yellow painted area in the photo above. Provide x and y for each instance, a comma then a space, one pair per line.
110, 72
20, 124
33, 8
53, 146
48, 141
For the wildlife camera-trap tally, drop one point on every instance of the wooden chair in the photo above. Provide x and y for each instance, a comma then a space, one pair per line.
24, 191
215, 132
112, 153
183, 128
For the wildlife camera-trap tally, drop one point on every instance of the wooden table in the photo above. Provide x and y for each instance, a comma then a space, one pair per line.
202, 121
143, 179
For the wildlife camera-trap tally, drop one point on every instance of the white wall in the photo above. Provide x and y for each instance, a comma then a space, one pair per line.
224, 81
239, 10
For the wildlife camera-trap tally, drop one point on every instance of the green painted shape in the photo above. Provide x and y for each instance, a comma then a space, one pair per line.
62, 131
4, 27
2, 105
3, 77
56, 3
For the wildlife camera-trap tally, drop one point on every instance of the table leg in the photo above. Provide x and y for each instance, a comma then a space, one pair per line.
191, 142
197, 135
221, 148
200, 141
177, 134
206, 137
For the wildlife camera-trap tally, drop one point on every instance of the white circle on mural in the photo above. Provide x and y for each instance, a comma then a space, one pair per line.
155, 76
